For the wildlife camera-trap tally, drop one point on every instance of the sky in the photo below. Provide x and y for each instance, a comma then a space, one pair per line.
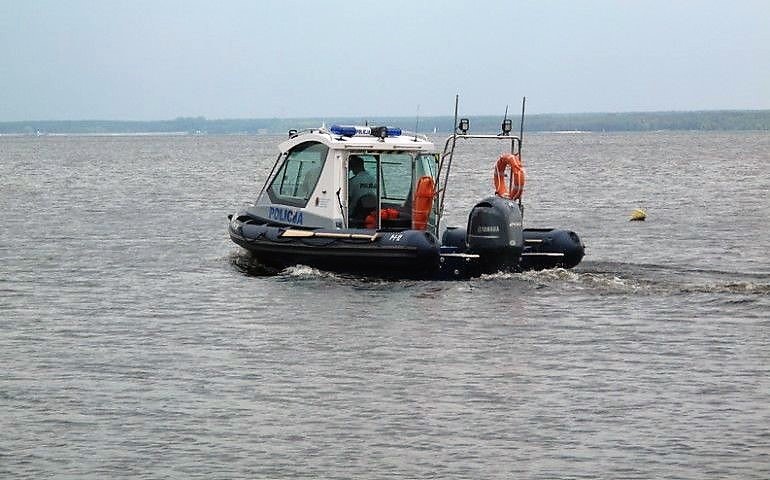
155, 59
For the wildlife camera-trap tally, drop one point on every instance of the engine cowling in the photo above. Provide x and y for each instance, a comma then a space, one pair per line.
495, 233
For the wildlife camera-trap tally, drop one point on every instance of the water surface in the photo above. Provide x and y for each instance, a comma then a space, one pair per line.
137, 341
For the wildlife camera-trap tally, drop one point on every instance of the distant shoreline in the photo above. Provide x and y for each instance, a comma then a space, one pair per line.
711, 120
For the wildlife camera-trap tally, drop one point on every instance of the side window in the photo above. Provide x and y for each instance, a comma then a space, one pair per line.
296, 179
396, 177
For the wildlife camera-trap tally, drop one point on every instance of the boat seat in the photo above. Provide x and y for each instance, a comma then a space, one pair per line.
364, 207
368, 204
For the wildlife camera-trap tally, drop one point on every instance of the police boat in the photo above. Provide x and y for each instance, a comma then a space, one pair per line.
370, 200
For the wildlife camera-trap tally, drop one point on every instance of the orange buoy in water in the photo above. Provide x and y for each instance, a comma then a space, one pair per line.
514, 188
422, 202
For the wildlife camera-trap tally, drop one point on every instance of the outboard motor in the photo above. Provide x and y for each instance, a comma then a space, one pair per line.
495, 234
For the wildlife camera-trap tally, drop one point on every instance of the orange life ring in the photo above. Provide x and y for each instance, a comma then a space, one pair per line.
516, 183
422, 202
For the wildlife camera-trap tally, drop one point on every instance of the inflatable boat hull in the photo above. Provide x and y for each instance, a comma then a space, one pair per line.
399, 254
546, 248
409, 253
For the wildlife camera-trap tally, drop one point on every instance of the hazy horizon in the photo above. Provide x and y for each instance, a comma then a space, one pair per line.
138, 61
511, 114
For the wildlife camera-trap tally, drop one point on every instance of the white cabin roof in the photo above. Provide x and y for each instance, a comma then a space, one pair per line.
405, 141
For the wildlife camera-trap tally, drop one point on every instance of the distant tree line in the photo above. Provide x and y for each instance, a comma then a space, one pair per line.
589, 122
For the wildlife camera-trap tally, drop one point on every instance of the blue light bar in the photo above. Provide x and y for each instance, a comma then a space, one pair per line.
345, 131
352, 131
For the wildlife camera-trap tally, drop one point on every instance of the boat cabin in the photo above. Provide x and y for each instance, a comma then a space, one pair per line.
369, 200
342, 177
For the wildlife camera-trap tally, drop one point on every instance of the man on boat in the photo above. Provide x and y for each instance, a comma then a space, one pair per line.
362, 183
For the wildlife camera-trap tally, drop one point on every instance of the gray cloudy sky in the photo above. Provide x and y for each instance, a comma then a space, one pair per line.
149, 60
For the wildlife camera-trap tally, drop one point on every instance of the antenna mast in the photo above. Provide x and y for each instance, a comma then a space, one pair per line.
521, 127
417, 123
521, 138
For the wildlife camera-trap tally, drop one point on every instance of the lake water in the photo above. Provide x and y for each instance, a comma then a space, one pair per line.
137, 341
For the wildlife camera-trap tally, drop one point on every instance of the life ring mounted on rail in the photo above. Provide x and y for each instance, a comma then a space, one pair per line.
515, 187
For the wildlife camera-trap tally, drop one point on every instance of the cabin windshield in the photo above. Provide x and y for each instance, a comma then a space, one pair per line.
385, 181
297, 177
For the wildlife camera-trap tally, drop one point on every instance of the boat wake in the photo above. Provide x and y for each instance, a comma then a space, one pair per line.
248, 265
607, 283
603, 277
303, 272
624, 278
